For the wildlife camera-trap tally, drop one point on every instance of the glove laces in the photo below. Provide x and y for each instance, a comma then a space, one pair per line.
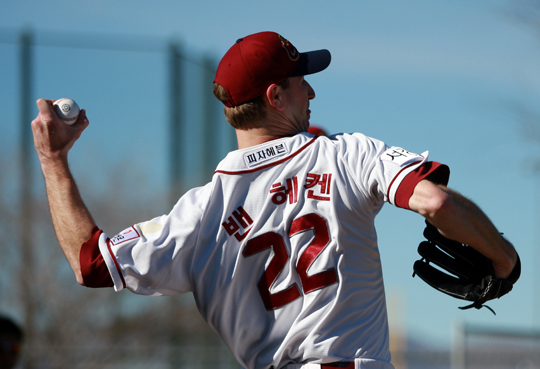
477, 305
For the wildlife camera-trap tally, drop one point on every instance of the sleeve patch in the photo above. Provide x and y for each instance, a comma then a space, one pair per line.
124, 236
400, 156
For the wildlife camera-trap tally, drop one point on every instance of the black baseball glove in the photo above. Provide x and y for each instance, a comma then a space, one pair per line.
462, 272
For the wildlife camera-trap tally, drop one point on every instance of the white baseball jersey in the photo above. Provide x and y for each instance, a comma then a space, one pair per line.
279, 250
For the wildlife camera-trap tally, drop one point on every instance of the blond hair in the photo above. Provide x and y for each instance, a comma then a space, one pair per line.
246, 115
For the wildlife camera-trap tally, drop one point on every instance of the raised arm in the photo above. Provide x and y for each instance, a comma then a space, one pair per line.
461, 220
71, 219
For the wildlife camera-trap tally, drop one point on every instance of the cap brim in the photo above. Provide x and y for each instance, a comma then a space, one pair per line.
312, 62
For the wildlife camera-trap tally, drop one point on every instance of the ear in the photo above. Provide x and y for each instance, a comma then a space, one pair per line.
273, 96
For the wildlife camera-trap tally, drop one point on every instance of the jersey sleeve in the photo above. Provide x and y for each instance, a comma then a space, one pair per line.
437, 173
388, 173
142, 258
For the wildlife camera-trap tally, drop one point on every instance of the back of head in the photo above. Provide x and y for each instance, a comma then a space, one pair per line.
251, 65
245, 115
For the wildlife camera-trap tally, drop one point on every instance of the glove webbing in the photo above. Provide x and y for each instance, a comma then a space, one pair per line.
512, 278
476, 304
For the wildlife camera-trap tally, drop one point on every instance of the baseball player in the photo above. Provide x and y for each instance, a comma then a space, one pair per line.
280, 249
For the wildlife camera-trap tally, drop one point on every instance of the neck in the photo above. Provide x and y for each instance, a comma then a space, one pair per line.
266, 131
253, 136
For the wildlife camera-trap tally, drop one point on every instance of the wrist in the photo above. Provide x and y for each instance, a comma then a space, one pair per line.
516, 272
54, 167
508, 267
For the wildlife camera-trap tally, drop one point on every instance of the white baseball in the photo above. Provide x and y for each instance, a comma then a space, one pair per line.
67, 110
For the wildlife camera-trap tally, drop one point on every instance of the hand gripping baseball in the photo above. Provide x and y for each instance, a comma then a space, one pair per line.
52, 137
462, 272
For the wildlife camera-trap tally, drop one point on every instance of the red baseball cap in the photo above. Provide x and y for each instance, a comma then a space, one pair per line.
256, 61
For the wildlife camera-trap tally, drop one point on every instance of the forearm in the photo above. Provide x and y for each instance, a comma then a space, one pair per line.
71, 219
460, 219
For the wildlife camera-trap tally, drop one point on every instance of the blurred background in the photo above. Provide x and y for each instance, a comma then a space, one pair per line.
458, 78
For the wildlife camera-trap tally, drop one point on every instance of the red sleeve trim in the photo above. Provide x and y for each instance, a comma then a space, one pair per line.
116, 263
93, 268
437, 172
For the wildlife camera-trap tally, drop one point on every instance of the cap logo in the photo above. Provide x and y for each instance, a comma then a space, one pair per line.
289, 48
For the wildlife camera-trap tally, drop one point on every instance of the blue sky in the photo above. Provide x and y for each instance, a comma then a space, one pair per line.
443, 76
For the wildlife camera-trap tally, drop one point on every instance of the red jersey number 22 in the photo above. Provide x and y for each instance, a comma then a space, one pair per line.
274, 240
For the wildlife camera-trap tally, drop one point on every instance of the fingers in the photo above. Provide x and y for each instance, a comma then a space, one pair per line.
47, 115
82, 120
43, 118
52, 137
46, 111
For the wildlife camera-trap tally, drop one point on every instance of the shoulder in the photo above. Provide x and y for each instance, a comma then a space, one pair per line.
354, 147
355, 139
193, 201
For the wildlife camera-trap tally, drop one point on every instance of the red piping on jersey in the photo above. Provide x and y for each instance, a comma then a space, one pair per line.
396, 176
116, 263
437, 173
269, 164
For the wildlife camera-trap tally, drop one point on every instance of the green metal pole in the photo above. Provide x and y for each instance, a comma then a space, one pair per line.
210, 128
26, 208
175, 173
175, 121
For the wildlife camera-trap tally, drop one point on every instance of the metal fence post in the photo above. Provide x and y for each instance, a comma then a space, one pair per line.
176, 123
458, 358
26, 178
210, 131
